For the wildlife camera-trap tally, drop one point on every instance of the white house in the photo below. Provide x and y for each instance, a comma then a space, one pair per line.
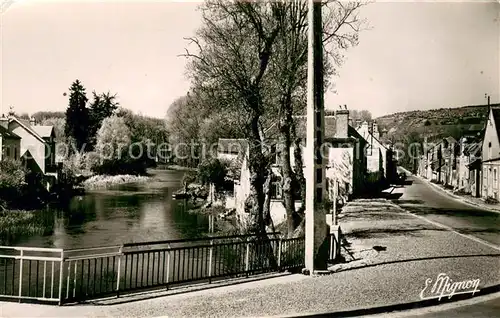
37, 146
379, 157
346, 164
10, 145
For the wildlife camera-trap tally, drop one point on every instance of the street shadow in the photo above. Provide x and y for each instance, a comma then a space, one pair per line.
461, 212
418, 259
402, 202
405, 183
393, 196
182, 289
369, 216
478, 231
383, 233
380, 195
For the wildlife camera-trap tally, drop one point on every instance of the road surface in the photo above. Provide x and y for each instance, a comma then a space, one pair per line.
423, 199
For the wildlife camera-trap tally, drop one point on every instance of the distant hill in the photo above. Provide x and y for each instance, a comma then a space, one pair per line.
434, 124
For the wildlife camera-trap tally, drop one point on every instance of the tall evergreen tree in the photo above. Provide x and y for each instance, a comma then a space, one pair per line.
102, 107
77, 115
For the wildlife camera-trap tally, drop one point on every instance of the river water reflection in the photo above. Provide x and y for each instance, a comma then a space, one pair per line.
125, 213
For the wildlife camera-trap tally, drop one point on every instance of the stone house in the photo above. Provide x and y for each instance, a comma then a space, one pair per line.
441, 161
469, 171
380, 163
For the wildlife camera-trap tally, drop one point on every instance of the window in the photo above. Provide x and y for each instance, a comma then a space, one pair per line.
489, 150
8, 151
319, 176
369, 150
495, 175
276, 154
319, 194
15, 153
275, 190
319, 157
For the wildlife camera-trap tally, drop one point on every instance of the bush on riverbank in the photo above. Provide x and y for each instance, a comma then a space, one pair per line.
103, 181
20, 222
12, 181
19, 188
117, 153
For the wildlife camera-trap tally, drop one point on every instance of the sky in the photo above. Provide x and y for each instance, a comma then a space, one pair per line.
411, 56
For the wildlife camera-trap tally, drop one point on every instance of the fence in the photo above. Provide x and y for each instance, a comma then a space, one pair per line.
63, 276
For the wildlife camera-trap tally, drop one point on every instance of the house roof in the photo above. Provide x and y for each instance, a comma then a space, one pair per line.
301, 126
232, 146
26, 125
44, 131
7, 133
330, 128
496, 118
473, 149
236, 147
450, 139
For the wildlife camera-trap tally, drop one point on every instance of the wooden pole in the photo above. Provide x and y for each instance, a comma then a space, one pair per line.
314, 168
334, 212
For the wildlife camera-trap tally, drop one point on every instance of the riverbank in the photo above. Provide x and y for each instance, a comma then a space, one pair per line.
24, 222
104, 181
176, 167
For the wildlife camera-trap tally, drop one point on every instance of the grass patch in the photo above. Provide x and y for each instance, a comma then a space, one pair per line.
104, 181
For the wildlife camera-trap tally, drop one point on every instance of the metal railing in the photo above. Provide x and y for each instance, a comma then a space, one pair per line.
31, 273
63, 276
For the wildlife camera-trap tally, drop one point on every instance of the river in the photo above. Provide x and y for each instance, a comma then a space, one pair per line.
122, 214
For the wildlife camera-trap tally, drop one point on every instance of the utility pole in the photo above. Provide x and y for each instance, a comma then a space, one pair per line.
315, 231
488, 98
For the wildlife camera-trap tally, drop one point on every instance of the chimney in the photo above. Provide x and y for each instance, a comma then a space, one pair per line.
375, 132
32, 121
341, 123
4, 122
358, 123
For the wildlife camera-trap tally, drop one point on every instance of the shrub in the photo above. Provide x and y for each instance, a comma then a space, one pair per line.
12, 181
490, 200
188, 178
212, 171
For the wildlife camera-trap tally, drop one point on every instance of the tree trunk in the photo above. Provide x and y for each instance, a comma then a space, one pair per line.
254, 204
256, 164
288, 180
267, 199
299, 172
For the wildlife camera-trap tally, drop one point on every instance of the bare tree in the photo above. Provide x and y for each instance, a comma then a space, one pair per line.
184, 120
252, 59
288, 72
235, 46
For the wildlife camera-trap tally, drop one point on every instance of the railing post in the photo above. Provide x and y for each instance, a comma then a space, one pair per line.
74, 279
210, 255
68, 279
44, 277
331, 247
118, 273
338, 243
61, 270
20, 274
247, 256
168, 264
279, 253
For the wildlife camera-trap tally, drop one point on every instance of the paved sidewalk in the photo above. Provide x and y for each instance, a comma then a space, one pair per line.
392, 253
467, 199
